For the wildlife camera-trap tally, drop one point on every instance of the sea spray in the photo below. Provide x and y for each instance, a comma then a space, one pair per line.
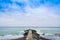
8, 37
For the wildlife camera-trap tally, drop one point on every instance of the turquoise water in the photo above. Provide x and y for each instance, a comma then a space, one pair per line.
20, 30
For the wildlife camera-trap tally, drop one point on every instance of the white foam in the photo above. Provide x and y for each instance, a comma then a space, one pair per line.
57, 38
8, 37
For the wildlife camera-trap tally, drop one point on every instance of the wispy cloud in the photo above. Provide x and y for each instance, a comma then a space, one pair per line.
30, 12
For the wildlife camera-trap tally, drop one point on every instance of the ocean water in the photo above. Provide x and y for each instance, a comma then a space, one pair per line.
16, 32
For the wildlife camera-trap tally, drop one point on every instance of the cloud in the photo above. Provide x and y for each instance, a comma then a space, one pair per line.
30, 13
4, 4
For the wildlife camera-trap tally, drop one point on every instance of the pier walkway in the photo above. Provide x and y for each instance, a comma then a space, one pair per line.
29, 36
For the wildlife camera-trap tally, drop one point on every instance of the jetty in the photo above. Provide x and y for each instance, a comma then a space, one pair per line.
31, 35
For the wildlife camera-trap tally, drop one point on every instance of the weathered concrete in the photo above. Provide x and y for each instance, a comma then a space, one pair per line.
29, 36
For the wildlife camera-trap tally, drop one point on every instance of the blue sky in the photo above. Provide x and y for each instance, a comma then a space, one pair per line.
29, 12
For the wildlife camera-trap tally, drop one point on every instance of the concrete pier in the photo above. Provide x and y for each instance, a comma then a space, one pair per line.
29, 36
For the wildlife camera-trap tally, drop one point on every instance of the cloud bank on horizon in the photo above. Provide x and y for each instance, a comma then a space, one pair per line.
29, 12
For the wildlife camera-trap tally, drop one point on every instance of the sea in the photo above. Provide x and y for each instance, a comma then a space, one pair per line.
7, 33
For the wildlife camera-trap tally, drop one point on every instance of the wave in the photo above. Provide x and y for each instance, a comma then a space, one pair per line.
9, 37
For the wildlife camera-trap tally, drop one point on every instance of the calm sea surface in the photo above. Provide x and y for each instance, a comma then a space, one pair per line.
20, 30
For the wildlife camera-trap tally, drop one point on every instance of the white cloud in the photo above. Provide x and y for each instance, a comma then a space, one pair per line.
42, 16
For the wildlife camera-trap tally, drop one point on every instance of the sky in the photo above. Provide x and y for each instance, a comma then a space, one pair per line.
30, 13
